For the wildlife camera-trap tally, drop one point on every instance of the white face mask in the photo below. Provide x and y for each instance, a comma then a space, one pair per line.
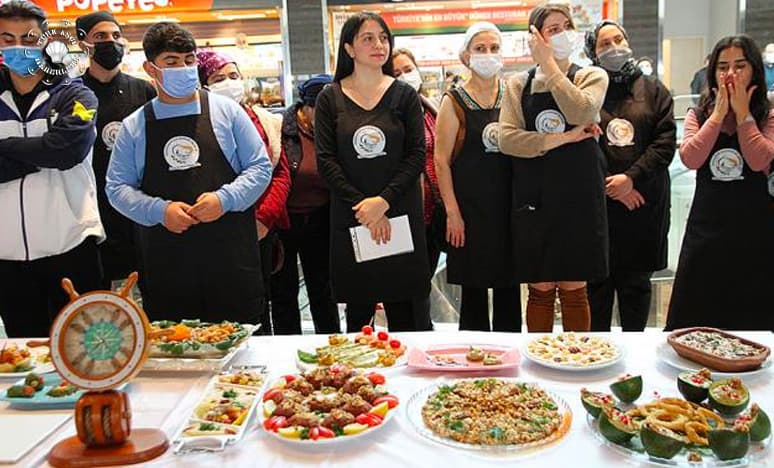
564, 44
768, 57
646, 69
486, 65
412, 78
234, 89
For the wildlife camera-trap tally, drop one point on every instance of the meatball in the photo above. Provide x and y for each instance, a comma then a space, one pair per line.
324, 404
289, 394
317, 377
304, 420
368, 393
357, 406
340, 378
354, 384
301, 386
289, 408
338, 418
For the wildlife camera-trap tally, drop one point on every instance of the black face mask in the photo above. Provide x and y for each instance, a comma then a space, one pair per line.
108, 54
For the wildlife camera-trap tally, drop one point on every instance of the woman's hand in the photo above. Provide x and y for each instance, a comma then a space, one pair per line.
370, 210
633, 200
740, 98
580, 133
539, 47
721, 101
381, 230
455, 229
618, 186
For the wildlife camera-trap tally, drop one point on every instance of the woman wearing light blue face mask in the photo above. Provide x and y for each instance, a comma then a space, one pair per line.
559, 218
475, 184
639, 143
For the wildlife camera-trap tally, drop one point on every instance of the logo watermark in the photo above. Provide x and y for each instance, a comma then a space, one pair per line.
56, 43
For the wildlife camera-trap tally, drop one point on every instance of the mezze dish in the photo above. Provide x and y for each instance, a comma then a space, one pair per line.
718, 349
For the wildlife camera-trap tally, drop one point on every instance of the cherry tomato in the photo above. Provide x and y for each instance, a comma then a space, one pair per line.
394, 344
367, 330
376, 379
314, 433
273, 394
392, 401
368, 419
382, 335
325, 433
336, 368
289, 378
275, 423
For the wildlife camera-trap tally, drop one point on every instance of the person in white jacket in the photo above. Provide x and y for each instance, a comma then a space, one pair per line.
48, 199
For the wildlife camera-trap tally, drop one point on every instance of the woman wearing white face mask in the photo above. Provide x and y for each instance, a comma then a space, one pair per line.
406, 70
639, 144
558, 214
219, 74
475, 182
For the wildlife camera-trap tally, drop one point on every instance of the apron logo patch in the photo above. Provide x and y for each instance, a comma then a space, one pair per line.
620, 132
490, 137
369, 142
550, 121
727, 165
109, 134
181, 153
771, 184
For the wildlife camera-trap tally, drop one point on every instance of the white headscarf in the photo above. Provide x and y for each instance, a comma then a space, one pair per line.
474, 30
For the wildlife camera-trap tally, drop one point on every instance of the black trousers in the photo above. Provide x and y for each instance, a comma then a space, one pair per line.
506, 305
634, 293
309, 238
265, 246
31, 293
413, 315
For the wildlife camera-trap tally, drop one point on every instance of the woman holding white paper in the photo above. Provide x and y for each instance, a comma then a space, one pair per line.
475, 183
370, 143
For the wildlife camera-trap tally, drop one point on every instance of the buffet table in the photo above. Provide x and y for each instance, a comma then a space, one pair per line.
163, 400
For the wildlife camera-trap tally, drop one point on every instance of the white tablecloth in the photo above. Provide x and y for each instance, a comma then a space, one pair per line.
164, 400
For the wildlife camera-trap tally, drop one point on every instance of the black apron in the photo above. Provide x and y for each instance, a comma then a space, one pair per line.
212, 271
726, 268
638, 239
482, 186
389, 279
117, 99
559, 217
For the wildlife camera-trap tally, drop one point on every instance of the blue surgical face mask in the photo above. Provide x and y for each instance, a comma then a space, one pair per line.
179, 82
23, 60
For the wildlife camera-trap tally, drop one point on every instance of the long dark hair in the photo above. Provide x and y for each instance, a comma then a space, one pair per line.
759, 104
345, 65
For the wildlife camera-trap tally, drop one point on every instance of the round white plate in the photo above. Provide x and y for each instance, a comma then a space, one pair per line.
402, 361
670, 357
417, 401
332, 441
571, 367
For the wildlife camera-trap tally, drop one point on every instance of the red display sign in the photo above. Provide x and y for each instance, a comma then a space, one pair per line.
507, 18
74, 8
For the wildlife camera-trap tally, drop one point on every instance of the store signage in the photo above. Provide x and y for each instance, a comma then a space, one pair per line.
509, 18
79, 7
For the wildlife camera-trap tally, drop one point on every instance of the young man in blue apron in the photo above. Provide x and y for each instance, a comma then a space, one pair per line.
187, 168
119, 95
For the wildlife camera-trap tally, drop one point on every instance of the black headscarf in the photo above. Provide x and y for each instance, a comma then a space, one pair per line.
629, 72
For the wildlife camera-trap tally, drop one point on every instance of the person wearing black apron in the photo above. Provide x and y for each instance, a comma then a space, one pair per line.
119, 95
475, 183
725, 272
639, 144
370, 144
188, 168
559, 217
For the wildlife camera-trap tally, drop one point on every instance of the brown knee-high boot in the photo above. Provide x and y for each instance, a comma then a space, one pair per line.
540, 310
576, 315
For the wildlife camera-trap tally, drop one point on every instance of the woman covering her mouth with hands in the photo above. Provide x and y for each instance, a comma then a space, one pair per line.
370, 142
726, 267
558, 212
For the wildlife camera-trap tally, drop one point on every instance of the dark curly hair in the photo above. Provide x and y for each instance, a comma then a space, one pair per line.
167, 37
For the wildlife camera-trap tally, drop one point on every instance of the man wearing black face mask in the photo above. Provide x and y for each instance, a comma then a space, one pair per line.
119, 95
638, 140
